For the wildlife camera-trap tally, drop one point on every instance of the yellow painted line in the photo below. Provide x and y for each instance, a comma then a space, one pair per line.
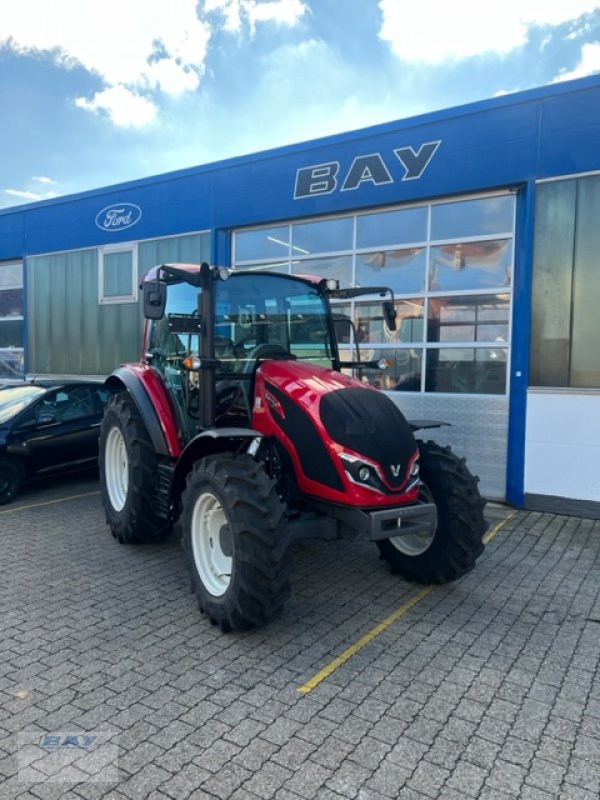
498, 527
368, 637
393, 617
47, 503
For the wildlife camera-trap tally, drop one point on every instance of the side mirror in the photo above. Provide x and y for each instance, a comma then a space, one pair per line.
155, 299
46, 418
389, 314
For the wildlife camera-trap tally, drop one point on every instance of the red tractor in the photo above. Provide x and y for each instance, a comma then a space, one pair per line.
242, 423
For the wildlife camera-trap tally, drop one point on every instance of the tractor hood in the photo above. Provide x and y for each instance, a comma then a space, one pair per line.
335, 424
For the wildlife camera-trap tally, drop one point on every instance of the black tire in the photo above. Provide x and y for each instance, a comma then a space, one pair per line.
242, 535
457, 540
128, 504
11, 480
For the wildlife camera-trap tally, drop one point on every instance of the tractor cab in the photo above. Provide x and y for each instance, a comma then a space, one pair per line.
213, 330
209, 329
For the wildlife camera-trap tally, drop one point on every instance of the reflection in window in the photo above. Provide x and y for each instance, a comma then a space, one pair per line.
339, 267
454, 291
403, 374
566, 285
392, 227
470, 318
464, 370
368, 318
401, 270
484, 216
265, 244
326, 236
473, 265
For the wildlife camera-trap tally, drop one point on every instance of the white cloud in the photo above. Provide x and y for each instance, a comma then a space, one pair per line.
129, 43
22, 194
432, 32
124, 108
282, 12
42, 179
590, 63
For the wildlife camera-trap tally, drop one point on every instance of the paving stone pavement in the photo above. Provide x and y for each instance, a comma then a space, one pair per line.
487, 688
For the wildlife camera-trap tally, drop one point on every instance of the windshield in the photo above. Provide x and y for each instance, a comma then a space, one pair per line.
15, 399
261, 315
256, 316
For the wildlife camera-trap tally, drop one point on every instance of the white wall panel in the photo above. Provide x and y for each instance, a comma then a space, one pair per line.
562, 444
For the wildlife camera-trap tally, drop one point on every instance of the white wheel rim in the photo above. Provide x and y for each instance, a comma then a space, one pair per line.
414, 544
213, 564
116, 469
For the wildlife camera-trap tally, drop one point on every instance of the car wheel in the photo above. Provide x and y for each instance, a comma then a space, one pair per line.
11, 480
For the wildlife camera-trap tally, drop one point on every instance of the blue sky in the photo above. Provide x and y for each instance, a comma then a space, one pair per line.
95, 92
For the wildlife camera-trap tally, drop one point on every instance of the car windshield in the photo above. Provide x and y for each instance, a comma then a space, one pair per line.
14, 399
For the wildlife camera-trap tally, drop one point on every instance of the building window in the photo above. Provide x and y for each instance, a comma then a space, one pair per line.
11, 320
450, 266
118, 274
566, 285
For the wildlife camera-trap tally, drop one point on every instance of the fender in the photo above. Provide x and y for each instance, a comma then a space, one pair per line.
209, 442
423, 424
152, 402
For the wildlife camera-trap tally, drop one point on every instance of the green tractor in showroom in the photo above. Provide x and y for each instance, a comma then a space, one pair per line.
242, 423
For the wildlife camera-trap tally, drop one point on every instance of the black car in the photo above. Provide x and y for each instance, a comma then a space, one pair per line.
46, 430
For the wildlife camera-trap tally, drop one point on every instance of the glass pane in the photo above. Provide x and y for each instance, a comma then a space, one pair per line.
11, 333
476, 318
327, 236
403, 374
11, 360
554, 240
370, 326
265, 244
339, 267
117, 274
277, 266
473, 265
11, 276
392, 227
585, 353
11, 303
401, 270
481, 217
466, 370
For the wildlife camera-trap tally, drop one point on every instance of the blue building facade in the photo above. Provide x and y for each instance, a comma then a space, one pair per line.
481, 218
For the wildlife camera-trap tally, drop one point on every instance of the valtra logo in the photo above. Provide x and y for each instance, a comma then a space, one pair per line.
118, 217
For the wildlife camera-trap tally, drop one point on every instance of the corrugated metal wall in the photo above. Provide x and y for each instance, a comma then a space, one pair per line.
69, 331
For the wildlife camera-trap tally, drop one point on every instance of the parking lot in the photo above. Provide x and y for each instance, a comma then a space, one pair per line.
367, 687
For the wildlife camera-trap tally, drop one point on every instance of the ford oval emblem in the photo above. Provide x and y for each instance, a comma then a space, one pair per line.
118, 217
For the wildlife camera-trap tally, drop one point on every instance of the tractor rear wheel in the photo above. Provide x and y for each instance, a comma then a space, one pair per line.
127, 467
235, 542
449, 550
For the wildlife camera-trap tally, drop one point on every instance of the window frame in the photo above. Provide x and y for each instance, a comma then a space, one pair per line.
428, 244
112, 249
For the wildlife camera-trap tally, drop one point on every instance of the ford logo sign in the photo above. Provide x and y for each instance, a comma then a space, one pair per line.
118, 217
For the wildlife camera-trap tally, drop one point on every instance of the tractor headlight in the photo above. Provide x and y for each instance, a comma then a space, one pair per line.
364, 473
361, 472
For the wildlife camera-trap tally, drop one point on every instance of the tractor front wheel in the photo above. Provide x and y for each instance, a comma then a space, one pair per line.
127, 466
449, 550
235, 542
